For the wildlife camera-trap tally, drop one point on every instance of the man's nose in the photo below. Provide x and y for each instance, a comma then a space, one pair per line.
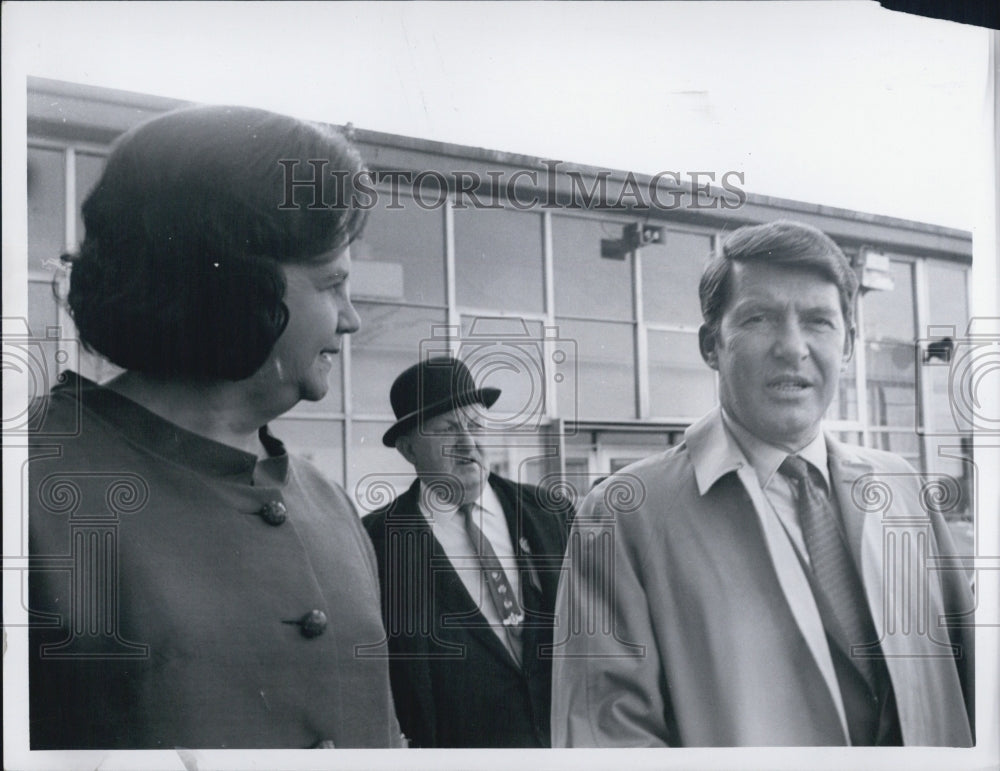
465, 437
791, 343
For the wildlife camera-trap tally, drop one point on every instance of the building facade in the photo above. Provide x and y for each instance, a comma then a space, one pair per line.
573, 289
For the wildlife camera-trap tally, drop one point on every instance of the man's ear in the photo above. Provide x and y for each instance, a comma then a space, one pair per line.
406, 449
708, 340
848, 346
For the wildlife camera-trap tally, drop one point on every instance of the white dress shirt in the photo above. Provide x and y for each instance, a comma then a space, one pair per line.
780, 492
448, 527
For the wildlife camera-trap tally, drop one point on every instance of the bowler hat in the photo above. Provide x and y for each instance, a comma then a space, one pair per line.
430, 388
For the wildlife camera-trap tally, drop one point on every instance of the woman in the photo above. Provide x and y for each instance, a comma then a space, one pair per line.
194, 585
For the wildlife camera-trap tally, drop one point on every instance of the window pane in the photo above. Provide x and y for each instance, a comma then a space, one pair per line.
889, 315
498, 259
670, 275
506, 353
680, 383
849, 437
388, 342
321, 442
891, 384
40, 361
46, 207
377, 473
587, 284
602, 385
948, 296
42, 308
401, 253
948, 308
579, 478
88, 171
845, 403
906, 444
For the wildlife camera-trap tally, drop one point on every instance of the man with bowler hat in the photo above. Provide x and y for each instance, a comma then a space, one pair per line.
469, 565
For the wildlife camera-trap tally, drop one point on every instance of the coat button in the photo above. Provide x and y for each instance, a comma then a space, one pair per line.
274, 513
313, 623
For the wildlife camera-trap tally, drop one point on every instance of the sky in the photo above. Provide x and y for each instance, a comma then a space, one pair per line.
842, 104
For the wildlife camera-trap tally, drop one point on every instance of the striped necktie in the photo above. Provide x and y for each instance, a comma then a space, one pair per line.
836, 579
501, 592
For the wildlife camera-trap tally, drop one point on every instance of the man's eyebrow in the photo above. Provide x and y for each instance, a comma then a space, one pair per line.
753, 303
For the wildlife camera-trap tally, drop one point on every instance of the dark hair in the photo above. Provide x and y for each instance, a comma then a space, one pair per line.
783, 243
178, 274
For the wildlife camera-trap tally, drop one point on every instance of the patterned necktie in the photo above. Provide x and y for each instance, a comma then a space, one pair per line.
836, 578
501, 592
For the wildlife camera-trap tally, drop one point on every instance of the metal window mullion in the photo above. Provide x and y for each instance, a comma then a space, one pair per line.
716, 248
683, 329
548, 345
346, 378
87, 148
471, 310
454, 318
554, 421
641, 360
921, 310
70, 358
861, 371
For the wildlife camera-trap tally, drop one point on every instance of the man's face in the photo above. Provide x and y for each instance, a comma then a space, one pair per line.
444, 451
779, 350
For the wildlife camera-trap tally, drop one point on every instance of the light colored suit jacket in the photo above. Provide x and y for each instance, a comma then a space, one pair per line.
685, 617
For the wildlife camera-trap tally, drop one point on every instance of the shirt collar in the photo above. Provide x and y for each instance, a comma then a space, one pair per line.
765, 458
171, 442
487, 501
715, 452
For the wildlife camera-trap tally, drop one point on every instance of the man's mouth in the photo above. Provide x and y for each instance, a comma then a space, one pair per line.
789, 384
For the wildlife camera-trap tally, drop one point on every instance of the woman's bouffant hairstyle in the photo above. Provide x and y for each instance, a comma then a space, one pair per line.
178, 275
782, 242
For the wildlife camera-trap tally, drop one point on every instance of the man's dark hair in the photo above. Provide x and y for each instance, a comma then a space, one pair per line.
777, 243
178, 275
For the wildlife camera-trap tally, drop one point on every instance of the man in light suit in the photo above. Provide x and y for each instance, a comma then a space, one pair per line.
469, 564
765, 584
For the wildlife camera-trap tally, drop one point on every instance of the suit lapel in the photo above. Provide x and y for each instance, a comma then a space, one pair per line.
845, 470
795, 585
863, 530
891, 541
531, 544
452, 607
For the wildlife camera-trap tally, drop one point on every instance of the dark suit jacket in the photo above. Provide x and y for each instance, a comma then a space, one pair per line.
453, 681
